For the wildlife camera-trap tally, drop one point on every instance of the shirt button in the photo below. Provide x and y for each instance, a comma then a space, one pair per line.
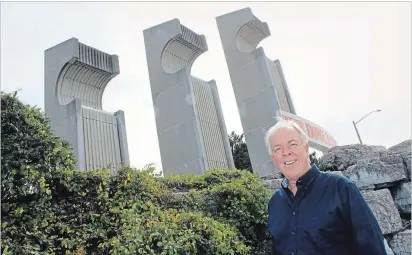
293, 213
293, 233
292, 253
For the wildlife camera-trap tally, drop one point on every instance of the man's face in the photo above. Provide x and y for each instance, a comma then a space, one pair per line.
289, 152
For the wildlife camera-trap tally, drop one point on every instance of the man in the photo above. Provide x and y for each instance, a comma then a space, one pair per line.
315, 212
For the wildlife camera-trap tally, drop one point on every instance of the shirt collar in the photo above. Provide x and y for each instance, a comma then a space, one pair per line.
304, 180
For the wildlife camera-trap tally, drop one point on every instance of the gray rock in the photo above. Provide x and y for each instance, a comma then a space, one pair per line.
406, 224
340, 173
402, 197
272, 184
381, 156
407, 162
388, 248
339, 158
402, 147
406, 157
404, 150
384, 209
378, 168
401, 243
369, 187
272, 176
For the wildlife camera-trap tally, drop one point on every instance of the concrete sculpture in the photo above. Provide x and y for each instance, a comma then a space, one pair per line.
258, 82
260, 88
76, 76
190, 125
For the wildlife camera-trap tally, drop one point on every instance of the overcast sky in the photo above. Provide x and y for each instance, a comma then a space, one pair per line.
341, 60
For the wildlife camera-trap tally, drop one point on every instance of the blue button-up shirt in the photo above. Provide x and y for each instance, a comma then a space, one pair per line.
328, 216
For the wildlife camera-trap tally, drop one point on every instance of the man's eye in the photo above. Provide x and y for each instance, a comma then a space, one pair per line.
294, 144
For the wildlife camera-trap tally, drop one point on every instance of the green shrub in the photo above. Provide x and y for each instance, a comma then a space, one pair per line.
82, 206
29, 150
234, 197
192, 200
220, 176
184, 182
49, 208
173, 232
242, 203
30, 156
135, 185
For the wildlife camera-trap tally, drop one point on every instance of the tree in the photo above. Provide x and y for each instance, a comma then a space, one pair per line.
28, 146
240, 152
313, 159
30, 155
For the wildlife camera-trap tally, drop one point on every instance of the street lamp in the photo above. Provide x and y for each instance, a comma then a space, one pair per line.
354, 124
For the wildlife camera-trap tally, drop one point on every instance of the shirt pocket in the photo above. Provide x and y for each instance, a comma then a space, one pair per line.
325, 229
328, 220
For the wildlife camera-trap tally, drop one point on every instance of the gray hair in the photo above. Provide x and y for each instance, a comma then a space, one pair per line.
284, 124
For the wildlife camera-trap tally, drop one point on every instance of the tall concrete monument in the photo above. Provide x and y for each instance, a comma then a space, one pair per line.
260, 88
190, 125
76, 76
258, 82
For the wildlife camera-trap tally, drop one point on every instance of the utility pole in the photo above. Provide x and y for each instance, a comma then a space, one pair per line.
356, 129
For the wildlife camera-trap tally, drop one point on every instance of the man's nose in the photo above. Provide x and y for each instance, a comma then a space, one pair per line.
286, 151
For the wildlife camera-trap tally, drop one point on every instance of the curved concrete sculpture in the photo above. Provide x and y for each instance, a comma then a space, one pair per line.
76, 76
258, 82
190, 125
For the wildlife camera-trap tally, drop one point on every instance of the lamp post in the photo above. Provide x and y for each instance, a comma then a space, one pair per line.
354, 124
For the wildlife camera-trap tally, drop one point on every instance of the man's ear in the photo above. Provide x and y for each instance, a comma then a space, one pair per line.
307, 147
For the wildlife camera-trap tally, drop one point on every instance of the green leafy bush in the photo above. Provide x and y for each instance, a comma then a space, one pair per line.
192, 200
242, 203
30, 156
81, 205
234, 197
50, 208
174, 232
184, 182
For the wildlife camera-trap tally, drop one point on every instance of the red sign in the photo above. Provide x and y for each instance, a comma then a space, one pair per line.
316, 134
